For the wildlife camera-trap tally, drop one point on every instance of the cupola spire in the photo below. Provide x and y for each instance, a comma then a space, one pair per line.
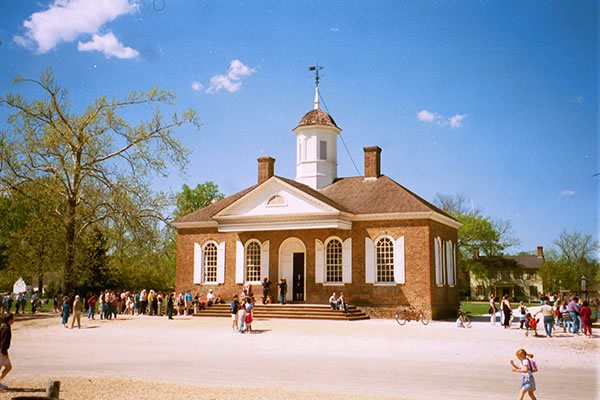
316, 68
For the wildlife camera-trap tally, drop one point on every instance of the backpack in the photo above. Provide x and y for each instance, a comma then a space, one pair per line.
532, 365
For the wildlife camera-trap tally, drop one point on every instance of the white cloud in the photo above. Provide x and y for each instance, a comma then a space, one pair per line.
232, 81
109, 45
567, 193
430, 117
66, 20
427, 116
456, 120
197, 86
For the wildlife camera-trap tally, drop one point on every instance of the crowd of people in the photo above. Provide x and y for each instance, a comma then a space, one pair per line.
20, 302
569, 313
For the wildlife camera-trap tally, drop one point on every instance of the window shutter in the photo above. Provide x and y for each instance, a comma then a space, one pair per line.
239, 262
399, 271
443, 254
454, 263
264, 260
319, 261
347, 261
450, 264
438, 262
221, 263
369, 261
197, 263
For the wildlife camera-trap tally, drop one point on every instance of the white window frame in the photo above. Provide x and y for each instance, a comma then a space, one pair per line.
204, 265
437, 251
248, 243
341, 242
393, 242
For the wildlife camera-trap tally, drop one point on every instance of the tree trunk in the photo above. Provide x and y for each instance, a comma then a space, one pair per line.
68, 278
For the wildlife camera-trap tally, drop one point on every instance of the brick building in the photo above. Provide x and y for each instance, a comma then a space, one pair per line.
368, 236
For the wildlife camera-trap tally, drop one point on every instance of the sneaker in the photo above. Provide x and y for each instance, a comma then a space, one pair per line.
3, 387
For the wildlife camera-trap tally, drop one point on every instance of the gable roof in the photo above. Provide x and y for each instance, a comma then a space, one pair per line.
354, 195
522, 262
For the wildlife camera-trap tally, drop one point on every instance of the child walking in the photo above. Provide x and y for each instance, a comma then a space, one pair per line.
526, 366
531, 323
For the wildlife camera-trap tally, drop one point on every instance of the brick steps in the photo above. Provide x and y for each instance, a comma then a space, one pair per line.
290, 311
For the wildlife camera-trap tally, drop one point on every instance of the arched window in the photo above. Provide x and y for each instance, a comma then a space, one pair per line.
253, 262
333, 261
385, 260
210, 262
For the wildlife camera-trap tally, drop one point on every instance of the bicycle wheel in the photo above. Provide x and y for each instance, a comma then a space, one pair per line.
466, 322
400, 319
423, 319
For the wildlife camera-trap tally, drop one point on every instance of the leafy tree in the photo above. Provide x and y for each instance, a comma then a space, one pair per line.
489, 237
96, 162
189, 200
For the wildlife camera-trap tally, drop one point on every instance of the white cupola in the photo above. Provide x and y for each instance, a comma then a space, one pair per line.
316, 147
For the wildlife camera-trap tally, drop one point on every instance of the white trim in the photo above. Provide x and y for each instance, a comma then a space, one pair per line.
264, 259
369, 260
347, 261
253, 240
334, 284
263, 188
239, 261
327, 241
284, 204
198, 262
385, 284
290, 282
221, 262
377, 239
285, 225
399, 261
437, 251
204, 264
319, 261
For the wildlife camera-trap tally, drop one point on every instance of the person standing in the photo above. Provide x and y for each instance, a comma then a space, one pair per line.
65, 310
526, 368
493, 310
92, 299
233, 309
5, 338
170, 301
586, 319
548, 314
573, 312
282, 290
266, 285
506, 312
76, 312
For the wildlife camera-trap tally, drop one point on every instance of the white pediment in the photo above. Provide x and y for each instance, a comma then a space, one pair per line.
276, 198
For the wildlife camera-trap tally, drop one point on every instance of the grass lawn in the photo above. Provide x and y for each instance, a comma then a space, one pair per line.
481, 307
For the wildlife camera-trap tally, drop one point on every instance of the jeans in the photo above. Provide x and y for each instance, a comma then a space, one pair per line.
91, 312
282, 298
567, 325
575, 320
548, 325
241, 317
65, 314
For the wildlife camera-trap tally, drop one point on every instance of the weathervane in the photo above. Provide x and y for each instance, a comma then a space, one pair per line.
316, 68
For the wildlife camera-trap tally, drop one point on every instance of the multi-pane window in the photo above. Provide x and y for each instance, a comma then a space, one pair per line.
531, 275
385, 260
253, 262
210, 263
333, 261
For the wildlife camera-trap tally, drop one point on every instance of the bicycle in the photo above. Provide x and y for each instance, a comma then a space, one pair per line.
464, 318
404, 315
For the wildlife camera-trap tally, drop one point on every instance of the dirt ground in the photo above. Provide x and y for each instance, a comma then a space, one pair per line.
200, 358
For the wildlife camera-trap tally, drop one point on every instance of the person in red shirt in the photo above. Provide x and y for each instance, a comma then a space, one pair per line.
586, 318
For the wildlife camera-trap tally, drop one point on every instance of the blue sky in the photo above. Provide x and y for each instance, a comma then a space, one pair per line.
495, 100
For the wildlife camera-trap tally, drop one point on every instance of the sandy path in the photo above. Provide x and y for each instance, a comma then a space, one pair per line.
291, 358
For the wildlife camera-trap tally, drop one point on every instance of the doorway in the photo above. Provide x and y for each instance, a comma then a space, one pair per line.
298, 280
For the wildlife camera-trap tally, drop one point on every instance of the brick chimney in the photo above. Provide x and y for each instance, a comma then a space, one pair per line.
475, 252
540, 251
266, 168
372, 161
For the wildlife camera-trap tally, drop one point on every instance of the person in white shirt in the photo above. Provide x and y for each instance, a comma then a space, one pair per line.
333, 301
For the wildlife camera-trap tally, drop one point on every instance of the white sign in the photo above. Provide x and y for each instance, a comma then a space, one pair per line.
19, 286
